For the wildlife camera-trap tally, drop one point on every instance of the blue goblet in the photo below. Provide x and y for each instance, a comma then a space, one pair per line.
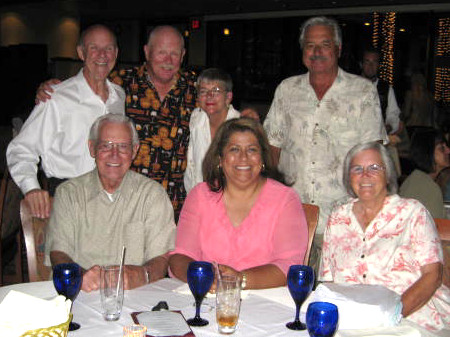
67, 278
200, 277
300, 280
322, 319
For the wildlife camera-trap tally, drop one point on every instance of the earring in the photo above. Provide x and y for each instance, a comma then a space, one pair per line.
263, 167
218, 167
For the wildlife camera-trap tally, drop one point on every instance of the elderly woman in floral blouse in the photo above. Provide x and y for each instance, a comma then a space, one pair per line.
381, 238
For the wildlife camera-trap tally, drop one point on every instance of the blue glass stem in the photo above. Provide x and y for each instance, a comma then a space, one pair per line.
297, 313
198, 303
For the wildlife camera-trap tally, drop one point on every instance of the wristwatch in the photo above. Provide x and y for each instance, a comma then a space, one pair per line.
243, 280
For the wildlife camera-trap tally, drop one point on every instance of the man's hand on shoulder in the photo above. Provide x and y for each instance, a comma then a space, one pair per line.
91, 279
39, 203
44, 90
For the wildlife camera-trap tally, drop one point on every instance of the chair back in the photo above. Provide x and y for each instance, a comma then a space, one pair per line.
34, 234
443, 227
312, 217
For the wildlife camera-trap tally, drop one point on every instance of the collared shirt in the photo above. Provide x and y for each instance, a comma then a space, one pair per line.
395, 245
392, 109
163, 127
315, 135
91, 229
200, 140
57, 132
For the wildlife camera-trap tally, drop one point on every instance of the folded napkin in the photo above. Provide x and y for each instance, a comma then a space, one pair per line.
361, 306
20, 313
184, 290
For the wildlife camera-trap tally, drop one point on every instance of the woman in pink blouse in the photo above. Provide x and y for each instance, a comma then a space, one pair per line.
241, 217
380, 238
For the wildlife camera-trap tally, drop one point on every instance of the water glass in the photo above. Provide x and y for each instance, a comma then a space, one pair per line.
134, 330
228, 303
111, 291
322, 319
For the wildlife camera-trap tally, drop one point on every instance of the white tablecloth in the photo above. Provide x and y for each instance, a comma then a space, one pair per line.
263, 312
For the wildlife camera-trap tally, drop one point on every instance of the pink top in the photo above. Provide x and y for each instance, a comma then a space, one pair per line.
274, 232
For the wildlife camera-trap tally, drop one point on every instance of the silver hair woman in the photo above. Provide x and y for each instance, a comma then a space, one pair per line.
321, 21
382, 239
113, 118
390, 172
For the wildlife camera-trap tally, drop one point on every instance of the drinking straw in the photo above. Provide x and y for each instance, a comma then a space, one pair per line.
120, 270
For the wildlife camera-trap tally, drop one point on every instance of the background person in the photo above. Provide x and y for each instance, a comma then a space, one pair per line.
214, 92
381, 238
389, 108
97, 213
430, 154
241, 217
56, 132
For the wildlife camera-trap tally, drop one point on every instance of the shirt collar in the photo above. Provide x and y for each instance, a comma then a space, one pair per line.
98, 190
85, 91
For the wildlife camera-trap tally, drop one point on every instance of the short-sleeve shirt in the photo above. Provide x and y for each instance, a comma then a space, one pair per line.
163, 127
395, 245
274, 232
91, 229
315, 135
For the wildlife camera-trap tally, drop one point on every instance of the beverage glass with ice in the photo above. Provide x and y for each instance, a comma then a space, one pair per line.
228, 303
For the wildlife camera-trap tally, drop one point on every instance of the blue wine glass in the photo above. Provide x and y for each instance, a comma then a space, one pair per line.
200, 277
322, 319
300, 280
67, 278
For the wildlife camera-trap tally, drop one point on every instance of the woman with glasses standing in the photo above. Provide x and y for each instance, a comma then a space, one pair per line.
214, 90
382, 239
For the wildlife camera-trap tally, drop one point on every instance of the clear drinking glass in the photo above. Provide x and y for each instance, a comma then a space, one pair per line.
111, 291
228, 303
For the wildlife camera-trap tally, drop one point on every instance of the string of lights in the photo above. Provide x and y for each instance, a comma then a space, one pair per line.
376, 30
387, 47
442, 77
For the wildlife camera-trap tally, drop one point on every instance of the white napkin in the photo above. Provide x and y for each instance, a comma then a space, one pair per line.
20, 313
184, 290
361, 306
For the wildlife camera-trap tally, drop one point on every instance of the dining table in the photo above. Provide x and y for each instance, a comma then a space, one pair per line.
263, 312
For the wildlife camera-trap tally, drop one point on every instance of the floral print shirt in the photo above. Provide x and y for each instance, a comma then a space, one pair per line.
315, 135
396, 244
163, 127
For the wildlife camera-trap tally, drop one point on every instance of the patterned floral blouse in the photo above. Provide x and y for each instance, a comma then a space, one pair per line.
163, 127
390, 252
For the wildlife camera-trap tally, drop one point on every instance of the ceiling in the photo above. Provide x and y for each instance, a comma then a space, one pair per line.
174, 9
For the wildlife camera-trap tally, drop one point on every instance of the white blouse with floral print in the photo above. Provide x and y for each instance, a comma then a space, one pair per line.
392, 249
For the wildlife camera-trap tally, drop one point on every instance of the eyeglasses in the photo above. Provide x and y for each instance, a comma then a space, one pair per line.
124, 148
371, 170
214, 92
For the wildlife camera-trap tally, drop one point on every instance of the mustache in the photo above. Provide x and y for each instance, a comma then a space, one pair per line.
317, 58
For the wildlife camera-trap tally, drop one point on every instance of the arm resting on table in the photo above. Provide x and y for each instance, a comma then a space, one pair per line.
178, 264
423, 289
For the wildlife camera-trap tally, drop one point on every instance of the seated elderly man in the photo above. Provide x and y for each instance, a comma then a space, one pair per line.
94, 215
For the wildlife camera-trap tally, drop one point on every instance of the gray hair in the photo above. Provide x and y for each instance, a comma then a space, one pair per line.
216, 75
391, 175
159, 29
321, 21
113, 118
91, 29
